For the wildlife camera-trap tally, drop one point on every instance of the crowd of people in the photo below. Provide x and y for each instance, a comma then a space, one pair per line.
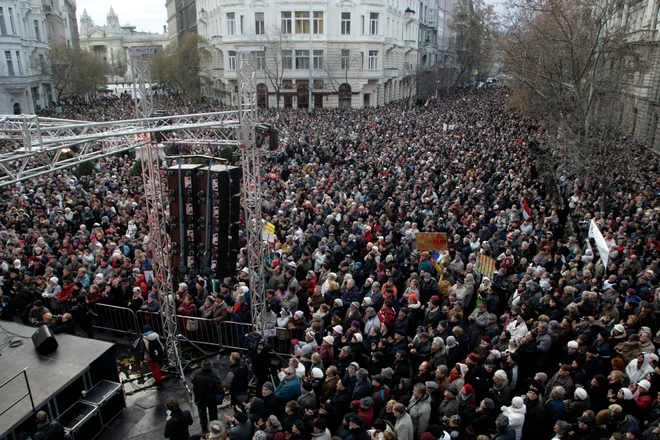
389, 341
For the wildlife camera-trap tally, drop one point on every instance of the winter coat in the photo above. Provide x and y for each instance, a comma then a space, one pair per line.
420, 413
477, 326
404, 427
448, 408
176, 428
288, 389
516, 418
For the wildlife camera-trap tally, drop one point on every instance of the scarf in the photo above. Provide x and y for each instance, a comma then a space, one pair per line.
453, 375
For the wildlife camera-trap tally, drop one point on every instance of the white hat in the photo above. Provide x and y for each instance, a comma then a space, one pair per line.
317, 373
572, 344
329, 339
496, 353
99, 276
358, 337
644, 384
54, 280
338, 329
581, 393
517, 402
500, 374
620, 328
245, 270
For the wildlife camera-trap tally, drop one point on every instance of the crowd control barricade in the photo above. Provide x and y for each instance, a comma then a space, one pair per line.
57, 307
200, 331
232, 334
115, 318
152, 319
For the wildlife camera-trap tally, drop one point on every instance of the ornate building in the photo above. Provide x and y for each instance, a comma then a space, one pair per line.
361, 52
643, 97
110, 42
27, 30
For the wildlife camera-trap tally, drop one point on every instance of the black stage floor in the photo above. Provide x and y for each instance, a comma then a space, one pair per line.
60, 374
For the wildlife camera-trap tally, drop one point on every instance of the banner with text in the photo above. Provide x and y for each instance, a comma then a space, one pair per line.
435, 242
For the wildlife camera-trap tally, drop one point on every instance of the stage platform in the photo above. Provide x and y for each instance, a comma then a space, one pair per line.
56, 380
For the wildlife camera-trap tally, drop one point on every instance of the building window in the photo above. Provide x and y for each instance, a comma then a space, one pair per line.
287, 59
3, 26
261, 60
362, 17
373, 60
302, 59
11, 21
302, 22
37, 33
318, 59
345, 59
373, 23
259, 23
287, 27
10, 64
231, 23
232, 60
18, 63
346, 23
242, 19
318, 22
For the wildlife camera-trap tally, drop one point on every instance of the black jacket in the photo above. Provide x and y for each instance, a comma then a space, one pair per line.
49, 431
176, 427
202, 383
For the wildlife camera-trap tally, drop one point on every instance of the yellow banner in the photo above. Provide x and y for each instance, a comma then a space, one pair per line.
270, 228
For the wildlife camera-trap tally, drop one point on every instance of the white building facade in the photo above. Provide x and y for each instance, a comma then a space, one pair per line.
361, 52
111, 41
24, 46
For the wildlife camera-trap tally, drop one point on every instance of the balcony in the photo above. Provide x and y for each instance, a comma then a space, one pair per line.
410, 15
390, 72
409, 44
644, 36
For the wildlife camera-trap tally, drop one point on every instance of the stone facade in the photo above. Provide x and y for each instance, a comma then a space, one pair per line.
25, 36
363, 52
110, 43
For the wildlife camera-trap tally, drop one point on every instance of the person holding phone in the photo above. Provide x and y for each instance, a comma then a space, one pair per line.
178, 421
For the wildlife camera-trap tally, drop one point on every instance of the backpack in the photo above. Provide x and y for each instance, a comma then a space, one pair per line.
155, 350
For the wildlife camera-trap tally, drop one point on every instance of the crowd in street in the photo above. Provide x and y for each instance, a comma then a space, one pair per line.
389, 341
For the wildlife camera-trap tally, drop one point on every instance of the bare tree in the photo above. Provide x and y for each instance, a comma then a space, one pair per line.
474, 26
339, 65
277, 57
572, 61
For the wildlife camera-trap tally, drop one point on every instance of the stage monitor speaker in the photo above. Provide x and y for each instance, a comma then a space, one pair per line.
44, 340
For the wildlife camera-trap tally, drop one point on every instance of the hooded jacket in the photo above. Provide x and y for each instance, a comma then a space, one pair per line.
420, 412
516, 415
635, 373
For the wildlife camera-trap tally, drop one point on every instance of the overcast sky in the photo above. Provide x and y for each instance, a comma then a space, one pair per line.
150, 15
146, 15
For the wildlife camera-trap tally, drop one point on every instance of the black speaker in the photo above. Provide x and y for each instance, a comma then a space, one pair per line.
44, 341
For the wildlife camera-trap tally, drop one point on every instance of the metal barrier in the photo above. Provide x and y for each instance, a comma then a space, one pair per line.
199, 331
152, 319
27, 385
56, 307
232, 334
115, 318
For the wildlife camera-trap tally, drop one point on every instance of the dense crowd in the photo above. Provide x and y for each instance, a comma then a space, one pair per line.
388, 341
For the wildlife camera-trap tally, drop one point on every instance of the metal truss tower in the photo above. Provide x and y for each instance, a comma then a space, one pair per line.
252, 200
141, 71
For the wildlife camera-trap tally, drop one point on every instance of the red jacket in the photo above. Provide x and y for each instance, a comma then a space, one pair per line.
65, 293
386, 315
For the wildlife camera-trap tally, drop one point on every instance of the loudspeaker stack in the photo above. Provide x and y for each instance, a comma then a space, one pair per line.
205, 205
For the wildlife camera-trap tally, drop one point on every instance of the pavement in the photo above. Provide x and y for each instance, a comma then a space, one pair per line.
144, 416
